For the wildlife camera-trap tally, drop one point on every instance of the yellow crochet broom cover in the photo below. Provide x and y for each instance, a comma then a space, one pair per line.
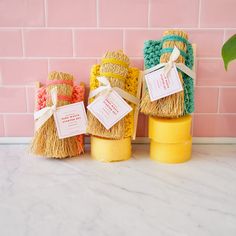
131, 86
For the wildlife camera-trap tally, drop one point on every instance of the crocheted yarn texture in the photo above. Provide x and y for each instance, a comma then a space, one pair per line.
77, 96
46, 142
152, 53
131, 85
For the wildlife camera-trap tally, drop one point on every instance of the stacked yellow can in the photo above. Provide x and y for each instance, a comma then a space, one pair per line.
171, 140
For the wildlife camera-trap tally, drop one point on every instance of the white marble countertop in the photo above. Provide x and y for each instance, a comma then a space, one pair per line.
82, 197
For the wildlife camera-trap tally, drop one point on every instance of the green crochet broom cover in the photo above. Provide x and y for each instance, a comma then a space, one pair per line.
152, 53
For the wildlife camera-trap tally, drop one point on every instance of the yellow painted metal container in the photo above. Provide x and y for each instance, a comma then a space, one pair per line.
110, 150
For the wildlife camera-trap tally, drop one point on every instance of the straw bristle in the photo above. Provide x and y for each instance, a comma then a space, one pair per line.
173, 105
94, 126
46, 142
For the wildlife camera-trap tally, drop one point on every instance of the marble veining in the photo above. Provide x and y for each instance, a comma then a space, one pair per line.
82, 197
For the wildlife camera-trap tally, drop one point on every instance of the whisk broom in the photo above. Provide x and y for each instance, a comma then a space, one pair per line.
173, 105
46, 142
114, 66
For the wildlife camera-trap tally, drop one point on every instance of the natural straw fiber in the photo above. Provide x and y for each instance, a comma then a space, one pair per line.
173, 105
77, 96
46, 142
132, 83
114, 66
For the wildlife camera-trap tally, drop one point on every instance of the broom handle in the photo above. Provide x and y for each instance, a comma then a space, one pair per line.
38, 85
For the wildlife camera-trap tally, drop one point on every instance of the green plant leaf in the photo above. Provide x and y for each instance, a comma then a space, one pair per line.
228, 51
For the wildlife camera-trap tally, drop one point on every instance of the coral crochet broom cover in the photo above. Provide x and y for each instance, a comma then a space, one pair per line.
46, 141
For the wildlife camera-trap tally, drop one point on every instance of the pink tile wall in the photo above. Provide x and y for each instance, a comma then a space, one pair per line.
206, 99
22, 72
94, 42
181, 13
22, 13
39, 36
18, 125
80, 68
134, 39
2, 129
12, 100
123, 13
11, 43
71, 13
48, 43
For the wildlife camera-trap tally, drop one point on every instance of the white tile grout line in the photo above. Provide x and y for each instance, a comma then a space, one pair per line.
115, 28
32, 85
23, 42
73, 43
218, 104
214, 113
49, 65
27, 99
97, 12
77, 46
19, 113
21, 86
84, 58
149, 13
46, 13
48, 57
224, 37
124, 39
199, 113
16, 86
209, 58
215, 86
199, 14
197, 86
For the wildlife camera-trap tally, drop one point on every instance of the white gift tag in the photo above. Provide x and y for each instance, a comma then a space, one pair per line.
109, 108
160, 86
71, 120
